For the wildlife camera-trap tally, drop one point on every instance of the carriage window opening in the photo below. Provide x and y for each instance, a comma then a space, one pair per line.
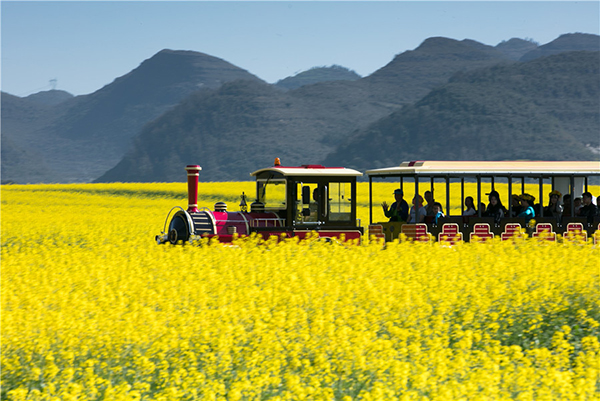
272, 193
340, 204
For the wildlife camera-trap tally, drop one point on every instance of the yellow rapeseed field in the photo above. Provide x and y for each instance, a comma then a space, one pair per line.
93, 309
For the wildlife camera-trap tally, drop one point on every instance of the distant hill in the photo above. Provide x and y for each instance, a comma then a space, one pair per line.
516, 48
565, 43
545, 109
237, 128
299, 125
49, 98
316, 75
180, 106
412, 74
21, 163
23, 120
86, 135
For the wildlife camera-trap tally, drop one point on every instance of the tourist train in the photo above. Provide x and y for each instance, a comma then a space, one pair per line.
317, 201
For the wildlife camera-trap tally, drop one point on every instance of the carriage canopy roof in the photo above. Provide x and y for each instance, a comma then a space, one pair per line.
496, 168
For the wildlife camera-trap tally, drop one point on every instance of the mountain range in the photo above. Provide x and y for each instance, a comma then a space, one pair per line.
446, 99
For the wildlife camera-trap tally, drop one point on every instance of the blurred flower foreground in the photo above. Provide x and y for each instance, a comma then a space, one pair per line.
93, 309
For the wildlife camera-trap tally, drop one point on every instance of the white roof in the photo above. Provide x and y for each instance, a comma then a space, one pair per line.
490, 168
311, 171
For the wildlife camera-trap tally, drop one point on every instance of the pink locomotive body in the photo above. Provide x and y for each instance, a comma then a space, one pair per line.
290, 202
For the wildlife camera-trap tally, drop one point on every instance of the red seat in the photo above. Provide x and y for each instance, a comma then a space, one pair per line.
376, 230
481, 232
416, 232
450, 234
510, 231
575, 232
544, 231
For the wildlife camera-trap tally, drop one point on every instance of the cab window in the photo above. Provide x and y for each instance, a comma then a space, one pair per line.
272, 193
340, 202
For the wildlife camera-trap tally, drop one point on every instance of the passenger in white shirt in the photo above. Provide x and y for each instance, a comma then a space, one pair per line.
422, 210
469, 207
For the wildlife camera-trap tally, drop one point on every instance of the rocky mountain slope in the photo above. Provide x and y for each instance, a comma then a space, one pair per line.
544, 109
182, 107
565, 43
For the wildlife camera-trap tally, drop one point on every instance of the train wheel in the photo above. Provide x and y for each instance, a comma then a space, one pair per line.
178, 230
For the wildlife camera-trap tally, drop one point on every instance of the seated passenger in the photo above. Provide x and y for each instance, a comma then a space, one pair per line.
495, 208
554, 208
577, 204
526, 202
399, 209
313, 206
430, 202
516, 205
567, 206
469, 207
418, 203
588, 209
437, 209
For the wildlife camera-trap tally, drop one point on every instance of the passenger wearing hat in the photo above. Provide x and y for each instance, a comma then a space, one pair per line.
495, 208
399, 209
554, 207
527, 202
516, 205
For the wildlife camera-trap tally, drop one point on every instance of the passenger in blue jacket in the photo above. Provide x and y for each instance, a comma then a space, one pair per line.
527, 203
399, 209
437, 210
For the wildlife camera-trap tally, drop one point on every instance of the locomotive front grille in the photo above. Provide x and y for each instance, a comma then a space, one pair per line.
204, 223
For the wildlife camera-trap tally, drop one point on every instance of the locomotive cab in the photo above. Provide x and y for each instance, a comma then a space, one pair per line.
310, 198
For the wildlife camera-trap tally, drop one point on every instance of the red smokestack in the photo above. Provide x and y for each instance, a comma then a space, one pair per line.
192, 176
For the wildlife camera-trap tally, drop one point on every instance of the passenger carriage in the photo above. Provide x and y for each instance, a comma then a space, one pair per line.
567, 177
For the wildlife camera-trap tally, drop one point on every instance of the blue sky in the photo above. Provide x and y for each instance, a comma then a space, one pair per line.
86, 45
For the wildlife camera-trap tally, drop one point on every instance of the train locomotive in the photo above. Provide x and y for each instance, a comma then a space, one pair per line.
290, 202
